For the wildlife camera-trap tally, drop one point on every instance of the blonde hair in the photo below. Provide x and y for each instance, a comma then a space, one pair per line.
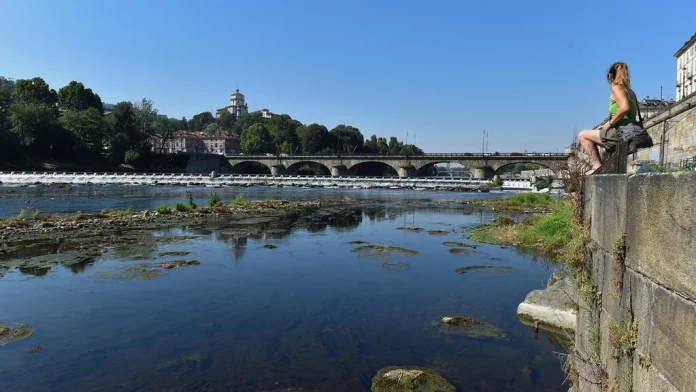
618, 74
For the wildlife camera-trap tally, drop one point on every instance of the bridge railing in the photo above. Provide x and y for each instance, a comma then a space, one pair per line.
428, 155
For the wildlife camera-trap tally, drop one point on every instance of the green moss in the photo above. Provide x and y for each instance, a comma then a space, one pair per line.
384, 252
12, 333
177, 253
486, 270
464, 270
485, 235
409, 378
391, 266
438, 232
179, 263
411, 228
132, 272
270, 246
458, 244
462, 321
357, 242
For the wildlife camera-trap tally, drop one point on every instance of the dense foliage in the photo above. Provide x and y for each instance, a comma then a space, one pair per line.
71, 125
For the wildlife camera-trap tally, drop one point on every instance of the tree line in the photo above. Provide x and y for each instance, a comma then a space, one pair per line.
70, 125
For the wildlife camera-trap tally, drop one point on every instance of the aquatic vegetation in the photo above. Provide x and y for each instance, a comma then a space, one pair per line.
462, 321
496, 259
12, 333
486, 270
438, 232
194, 359
457, 244
411, 228
470, 327
357, 242
522, 201
410, 378
163, 209
460, 251
384, 252
179, 263
35, 350
270, 246
132, 272
22, 214
36, 214
181, 207
190, 203
214, 200
504, 221
176, 253
398, 266
239, 201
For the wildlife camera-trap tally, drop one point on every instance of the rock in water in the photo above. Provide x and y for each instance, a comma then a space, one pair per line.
213, 174
409, 378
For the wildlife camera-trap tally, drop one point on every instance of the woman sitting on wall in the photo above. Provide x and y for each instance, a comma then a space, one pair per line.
623, 105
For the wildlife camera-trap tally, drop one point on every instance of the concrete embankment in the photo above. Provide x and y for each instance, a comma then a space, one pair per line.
47, 178
637, 318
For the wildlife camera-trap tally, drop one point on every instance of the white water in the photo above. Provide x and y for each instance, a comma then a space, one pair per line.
48, 178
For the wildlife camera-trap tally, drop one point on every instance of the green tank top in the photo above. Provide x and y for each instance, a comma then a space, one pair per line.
628, 118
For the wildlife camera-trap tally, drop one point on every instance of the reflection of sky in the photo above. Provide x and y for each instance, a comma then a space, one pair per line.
310, 313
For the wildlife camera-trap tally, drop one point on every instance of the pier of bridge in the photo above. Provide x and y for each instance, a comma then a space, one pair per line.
482, 166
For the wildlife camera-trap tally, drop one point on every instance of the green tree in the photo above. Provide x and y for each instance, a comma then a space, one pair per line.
256, 139
164, 128
212, 129
7, 85
370, 145
315, 138
76, 97
35, 91
146, 115
226, 121
87, 127
410, 149
282, 129
123, 127
5, 103
200, 121
33, 124
394, 146
382, 146
246, 120
348, 139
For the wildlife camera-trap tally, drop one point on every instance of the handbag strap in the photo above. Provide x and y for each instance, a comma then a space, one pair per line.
640, 117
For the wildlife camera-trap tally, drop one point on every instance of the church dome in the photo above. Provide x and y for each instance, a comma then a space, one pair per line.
237, 94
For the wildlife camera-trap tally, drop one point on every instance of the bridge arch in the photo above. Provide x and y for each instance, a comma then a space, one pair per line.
295, 166
544, 165
250, 167
427, 168
373, 168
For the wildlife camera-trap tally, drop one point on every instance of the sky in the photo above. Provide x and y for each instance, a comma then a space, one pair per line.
529, 73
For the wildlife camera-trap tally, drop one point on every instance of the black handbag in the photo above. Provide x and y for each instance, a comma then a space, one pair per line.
635, 134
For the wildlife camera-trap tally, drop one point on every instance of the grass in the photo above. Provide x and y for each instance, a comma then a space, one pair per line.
191, 204
36, 214
22, 214
554, 236
181, 207
163, 209
522, 201
239, 201
214, 200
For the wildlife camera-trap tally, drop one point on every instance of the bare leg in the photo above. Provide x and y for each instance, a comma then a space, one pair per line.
589, 139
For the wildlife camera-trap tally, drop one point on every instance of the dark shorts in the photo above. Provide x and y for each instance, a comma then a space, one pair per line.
610, 138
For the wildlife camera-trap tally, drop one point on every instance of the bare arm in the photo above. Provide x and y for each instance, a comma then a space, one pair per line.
621, 99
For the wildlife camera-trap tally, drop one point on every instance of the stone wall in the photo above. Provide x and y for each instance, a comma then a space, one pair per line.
637, 322
673, 133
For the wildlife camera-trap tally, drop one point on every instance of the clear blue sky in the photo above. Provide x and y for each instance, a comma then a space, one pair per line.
528, 72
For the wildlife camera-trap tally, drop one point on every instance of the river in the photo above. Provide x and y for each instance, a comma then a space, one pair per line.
312, 313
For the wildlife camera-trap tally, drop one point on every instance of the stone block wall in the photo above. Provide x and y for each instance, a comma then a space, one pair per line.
637, 330
676, 129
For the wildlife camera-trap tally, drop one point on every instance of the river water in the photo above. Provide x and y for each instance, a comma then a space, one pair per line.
312, 313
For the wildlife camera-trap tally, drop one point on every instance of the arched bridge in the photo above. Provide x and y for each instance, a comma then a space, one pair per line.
481, 165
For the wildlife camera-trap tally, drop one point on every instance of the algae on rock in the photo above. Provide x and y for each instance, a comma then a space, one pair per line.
13, 333
410, 378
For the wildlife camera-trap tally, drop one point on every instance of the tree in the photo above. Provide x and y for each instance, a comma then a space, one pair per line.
370, 145
256, 139
246, 120
35, 91
164, 128
212, 129
382, 146
200, 121
146, 115
7, 85
348, 139
33, 124
87, 127
123, 124
183, 124
410, 149
226, 121
314, 138
76, 97
283, 131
